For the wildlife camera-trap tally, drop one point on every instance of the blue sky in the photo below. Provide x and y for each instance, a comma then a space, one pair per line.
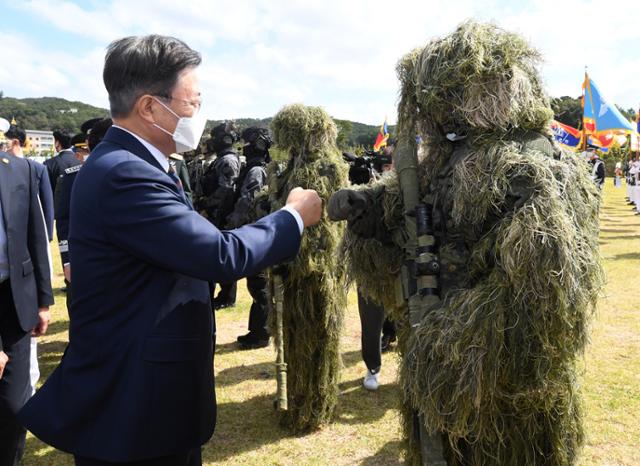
259, 55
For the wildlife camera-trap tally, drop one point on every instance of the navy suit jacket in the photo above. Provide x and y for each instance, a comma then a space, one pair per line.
136, 380
45, 194
27, 242
58, 164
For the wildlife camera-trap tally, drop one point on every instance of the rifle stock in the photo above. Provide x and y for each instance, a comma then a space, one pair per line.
281, 365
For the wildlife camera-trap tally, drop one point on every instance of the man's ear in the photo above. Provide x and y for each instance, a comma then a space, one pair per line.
144, 107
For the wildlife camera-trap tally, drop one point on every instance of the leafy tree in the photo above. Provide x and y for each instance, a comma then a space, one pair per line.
345, 128
630, 114
49, 113
567, 110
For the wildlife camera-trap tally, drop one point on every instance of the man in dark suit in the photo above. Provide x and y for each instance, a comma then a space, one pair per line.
64, 158
25, 294
15, 140
135, 385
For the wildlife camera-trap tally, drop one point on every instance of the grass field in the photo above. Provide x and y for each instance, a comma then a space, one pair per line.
366, 428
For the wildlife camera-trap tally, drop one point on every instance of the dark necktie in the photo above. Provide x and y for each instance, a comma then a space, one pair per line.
176, 180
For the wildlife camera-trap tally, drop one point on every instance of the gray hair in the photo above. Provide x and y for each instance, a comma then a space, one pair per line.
139, 65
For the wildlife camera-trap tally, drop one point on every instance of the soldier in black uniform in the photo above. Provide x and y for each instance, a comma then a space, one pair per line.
65, 158
218, 186
253, 176
82, 145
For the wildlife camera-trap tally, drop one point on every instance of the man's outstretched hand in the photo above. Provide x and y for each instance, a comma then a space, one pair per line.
307, 203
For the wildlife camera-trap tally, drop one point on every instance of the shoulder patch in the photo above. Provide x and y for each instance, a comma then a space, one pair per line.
74, 169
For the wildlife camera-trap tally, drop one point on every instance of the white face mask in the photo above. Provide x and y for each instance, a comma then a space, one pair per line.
188, 130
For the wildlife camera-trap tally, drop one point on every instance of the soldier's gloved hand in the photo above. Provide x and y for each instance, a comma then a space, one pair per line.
346, 204
263, 208
233, 221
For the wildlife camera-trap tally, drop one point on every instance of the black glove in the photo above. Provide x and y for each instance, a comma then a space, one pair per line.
346, 204
362, 212
263, 208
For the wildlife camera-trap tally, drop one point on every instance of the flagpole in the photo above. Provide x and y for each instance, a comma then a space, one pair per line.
638, 134
584, 96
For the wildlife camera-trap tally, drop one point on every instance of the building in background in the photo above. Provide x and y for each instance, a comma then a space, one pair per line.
40, 141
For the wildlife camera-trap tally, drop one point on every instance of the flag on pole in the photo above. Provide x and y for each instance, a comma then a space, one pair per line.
383, 136
604, 138
565, 134
600, 115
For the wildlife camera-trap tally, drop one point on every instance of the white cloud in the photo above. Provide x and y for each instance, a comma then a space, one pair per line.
261, 54
573, 34
34, 72
69, 17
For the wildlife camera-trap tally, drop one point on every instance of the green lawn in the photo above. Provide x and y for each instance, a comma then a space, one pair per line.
366, 428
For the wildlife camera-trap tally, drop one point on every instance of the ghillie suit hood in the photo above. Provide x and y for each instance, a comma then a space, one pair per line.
492, 366
314, 282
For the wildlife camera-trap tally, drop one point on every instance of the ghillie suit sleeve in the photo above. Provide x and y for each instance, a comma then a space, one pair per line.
370, 246
314, 282
492, 367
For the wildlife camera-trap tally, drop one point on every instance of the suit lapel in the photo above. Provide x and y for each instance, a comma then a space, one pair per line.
6, 183
131, 144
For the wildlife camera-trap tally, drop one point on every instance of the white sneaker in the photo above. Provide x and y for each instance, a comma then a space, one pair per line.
371, 381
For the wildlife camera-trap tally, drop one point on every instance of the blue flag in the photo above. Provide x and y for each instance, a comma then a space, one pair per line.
600, 115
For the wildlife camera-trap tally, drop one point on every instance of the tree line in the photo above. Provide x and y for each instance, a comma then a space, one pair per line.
51, 113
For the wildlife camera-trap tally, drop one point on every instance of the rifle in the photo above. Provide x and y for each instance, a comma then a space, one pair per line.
281, 366
276, 301
419, 273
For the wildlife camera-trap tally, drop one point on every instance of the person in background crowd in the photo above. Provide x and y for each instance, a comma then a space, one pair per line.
597, 170
15, 139
25, 293
218, 193
63, 159
252, 178
634, 184
617, 181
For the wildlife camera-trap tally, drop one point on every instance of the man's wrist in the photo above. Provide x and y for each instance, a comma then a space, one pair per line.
297, 216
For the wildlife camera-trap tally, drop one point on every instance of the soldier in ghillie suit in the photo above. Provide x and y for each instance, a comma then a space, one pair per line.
314, 283
253, 177
491, 367
218, 185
